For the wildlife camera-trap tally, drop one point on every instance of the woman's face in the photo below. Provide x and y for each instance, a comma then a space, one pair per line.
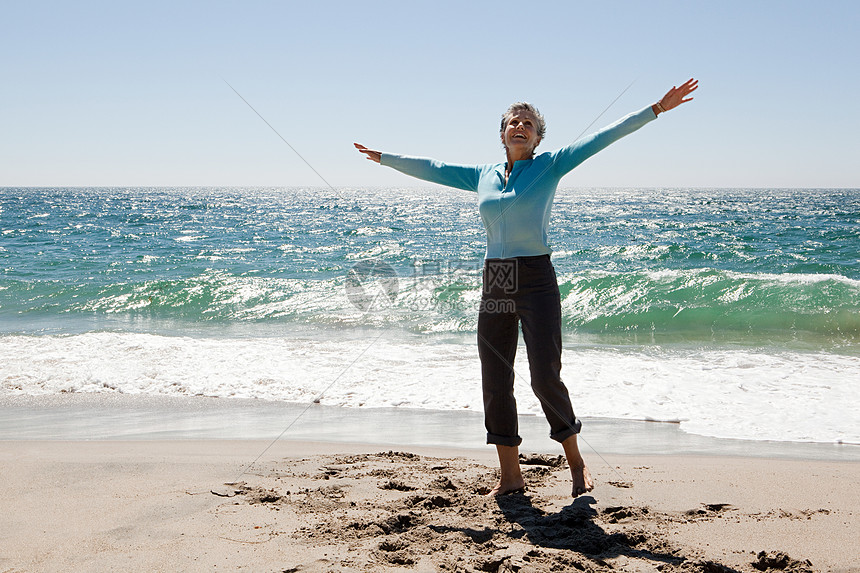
521, 134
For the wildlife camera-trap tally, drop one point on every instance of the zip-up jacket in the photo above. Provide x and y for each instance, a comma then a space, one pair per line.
516, 214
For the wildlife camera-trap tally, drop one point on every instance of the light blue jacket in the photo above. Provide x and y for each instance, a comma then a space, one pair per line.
516, 215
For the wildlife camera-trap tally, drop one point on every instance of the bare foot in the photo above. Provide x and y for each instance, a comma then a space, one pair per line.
582, 482
510, 476
504, 488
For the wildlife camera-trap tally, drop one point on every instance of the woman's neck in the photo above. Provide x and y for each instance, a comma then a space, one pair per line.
514, 155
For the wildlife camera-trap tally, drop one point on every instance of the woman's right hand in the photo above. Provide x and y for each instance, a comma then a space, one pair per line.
371, 154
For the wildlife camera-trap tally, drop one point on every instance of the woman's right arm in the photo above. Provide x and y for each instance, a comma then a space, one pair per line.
458, 176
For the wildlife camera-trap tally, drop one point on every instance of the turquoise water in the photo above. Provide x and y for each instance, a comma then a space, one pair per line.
678, 303
673, 264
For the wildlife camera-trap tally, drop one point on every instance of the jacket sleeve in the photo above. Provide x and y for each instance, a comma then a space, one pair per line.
458, 176
569, 157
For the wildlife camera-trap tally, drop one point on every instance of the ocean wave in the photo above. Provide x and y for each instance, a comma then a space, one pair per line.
718, 391
710, 300
699, 303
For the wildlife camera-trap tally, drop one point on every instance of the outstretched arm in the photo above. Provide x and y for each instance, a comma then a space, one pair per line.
569, 157
675, 97
371, 154
459, 176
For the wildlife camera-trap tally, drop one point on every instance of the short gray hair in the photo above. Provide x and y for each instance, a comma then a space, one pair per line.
523, 106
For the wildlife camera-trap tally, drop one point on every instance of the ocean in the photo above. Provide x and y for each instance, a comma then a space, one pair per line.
734, 313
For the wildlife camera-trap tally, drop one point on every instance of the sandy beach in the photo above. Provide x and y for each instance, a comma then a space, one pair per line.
184, 505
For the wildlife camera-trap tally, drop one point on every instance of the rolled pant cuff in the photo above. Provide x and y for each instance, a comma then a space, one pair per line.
511, 441
567, 432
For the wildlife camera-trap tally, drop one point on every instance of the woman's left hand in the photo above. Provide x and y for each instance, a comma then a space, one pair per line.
678, 95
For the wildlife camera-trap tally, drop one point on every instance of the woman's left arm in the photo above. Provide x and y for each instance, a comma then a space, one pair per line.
567, 158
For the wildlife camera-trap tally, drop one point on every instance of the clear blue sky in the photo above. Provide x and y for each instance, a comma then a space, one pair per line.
131, 93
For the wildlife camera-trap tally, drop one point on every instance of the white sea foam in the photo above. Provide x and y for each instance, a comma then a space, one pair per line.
734, 393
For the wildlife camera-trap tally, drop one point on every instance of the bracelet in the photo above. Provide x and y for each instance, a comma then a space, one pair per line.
660, 107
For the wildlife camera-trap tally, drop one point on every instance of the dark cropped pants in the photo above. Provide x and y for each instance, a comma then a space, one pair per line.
522, 289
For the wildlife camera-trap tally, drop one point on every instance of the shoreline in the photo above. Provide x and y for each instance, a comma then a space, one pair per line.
163, 505
112, 417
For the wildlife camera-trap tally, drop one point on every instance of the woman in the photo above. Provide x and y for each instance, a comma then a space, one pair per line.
520, 285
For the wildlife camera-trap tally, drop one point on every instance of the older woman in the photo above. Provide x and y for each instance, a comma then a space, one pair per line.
520, 286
